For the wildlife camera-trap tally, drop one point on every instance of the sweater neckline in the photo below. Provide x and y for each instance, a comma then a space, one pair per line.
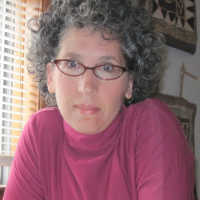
93, 142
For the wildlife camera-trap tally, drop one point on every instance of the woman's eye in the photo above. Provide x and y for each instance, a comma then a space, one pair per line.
107, 68
72, 64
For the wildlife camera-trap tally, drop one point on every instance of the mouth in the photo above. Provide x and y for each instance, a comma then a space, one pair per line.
87, 109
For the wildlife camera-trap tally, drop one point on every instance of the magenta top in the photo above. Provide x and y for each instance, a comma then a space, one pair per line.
142, 155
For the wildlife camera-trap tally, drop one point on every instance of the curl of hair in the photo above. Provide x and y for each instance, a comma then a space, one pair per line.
120, 19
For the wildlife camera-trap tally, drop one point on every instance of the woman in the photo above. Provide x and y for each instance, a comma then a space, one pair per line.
89, 58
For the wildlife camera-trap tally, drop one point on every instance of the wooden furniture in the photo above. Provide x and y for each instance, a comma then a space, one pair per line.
1, 192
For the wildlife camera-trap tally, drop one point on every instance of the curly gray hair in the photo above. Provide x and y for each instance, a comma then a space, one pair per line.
120, 19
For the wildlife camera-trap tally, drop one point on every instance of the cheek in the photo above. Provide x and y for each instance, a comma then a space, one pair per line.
65, 89
113, 103
116, 94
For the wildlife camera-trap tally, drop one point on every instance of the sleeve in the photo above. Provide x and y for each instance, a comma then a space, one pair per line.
24, 179
164, 160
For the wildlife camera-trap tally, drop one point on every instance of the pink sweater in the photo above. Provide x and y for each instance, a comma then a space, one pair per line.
142, 155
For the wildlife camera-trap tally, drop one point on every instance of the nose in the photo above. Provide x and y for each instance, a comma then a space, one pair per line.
88, 83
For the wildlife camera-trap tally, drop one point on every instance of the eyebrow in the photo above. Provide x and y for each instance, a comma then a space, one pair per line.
108, 58
101, 59
73, 55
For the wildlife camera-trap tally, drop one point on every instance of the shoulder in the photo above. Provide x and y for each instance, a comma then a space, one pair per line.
45, 123
160, 150
149, 104
47, 117
153, 119
151, 109
47, 113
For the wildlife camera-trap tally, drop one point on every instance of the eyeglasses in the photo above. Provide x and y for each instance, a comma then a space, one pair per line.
104, 72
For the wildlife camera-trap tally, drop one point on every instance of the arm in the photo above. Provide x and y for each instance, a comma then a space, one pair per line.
164, 161
24, 180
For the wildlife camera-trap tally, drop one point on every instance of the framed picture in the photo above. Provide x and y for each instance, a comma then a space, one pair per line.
176, 20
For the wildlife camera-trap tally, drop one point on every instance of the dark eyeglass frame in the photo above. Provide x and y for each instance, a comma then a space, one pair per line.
56, 61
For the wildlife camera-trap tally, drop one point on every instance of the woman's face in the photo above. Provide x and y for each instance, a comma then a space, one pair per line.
87, 103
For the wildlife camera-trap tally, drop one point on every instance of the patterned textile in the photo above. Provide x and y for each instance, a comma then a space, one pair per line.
176, 19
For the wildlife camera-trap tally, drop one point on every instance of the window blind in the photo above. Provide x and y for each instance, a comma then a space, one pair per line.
18, 95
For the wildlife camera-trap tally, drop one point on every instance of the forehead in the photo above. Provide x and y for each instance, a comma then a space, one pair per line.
84, 43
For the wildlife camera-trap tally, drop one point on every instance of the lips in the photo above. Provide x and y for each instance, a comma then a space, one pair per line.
87, 109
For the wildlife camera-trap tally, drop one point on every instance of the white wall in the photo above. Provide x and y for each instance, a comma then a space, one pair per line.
191, 87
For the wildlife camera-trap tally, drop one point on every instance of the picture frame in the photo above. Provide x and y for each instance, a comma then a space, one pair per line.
176, 20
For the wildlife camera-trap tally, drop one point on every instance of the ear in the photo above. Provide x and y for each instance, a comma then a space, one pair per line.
129, 90
50, 81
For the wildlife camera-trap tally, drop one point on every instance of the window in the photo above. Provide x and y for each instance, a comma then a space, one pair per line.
18, 95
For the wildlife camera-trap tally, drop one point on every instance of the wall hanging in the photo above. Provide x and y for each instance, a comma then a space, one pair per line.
176, 19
